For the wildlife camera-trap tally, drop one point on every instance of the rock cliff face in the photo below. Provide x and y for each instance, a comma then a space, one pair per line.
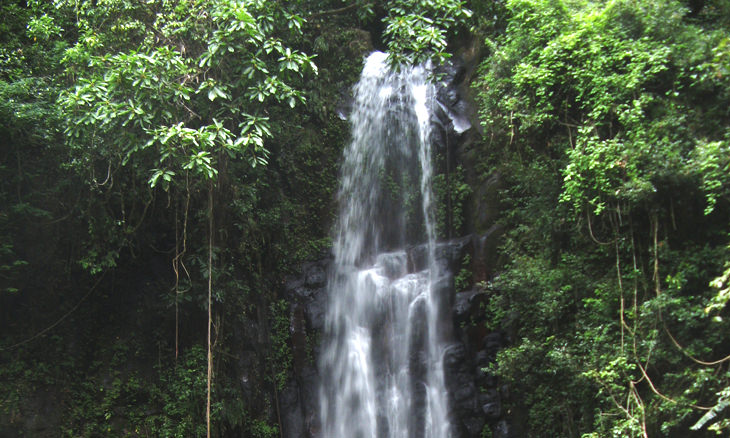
475, 395
300, 398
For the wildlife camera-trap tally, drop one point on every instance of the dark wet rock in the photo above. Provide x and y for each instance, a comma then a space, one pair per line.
344, 106
451, 74
486, 379
450, 252
464, 393
298, 335
417, 258
501, 430
482, 358
492, 410
468, 305
454, 251
315, 275
488, 396
299, 400
487, 208
315, 310
467, 420
491, 404
473, 427
474, 397
482, 249
472, 333
493, 342
291, 412
453, 110
303, 291
504, 391
486, 259
309, 395
294, 283
454, 355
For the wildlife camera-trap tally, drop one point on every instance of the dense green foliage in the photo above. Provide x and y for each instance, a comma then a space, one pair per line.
418, 30
128, 125
118, 118
611, 119
134, 137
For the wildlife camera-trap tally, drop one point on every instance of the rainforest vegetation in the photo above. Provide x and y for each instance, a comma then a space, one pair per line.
166, 164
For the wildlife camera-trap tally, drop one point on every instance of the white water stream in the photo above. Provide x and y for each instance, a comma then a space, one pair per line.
382, 367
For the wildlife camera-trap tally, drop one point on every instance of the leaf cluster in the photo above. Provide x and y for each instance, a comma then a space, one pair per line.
611, 122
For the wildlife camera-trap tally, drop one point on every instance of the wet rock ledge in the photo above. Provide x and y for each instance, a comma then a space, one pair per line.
476, 397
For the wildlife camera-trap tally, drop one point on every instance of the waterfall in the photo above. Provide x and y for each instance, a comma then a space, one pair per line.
382, 363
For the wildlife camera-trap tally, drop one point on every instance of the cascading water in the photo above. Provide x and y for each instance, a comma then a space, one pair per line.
382, 366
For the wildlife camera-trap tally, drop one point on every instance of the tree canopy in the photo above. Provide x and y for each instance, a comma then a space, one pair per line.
613, 118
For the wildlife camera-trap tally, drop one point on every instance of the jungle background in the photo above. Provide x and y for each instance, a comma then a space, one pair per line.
166, 164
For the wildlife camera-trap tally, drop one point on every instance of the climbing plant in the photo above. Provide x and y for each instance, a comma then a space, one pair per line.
612, 120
